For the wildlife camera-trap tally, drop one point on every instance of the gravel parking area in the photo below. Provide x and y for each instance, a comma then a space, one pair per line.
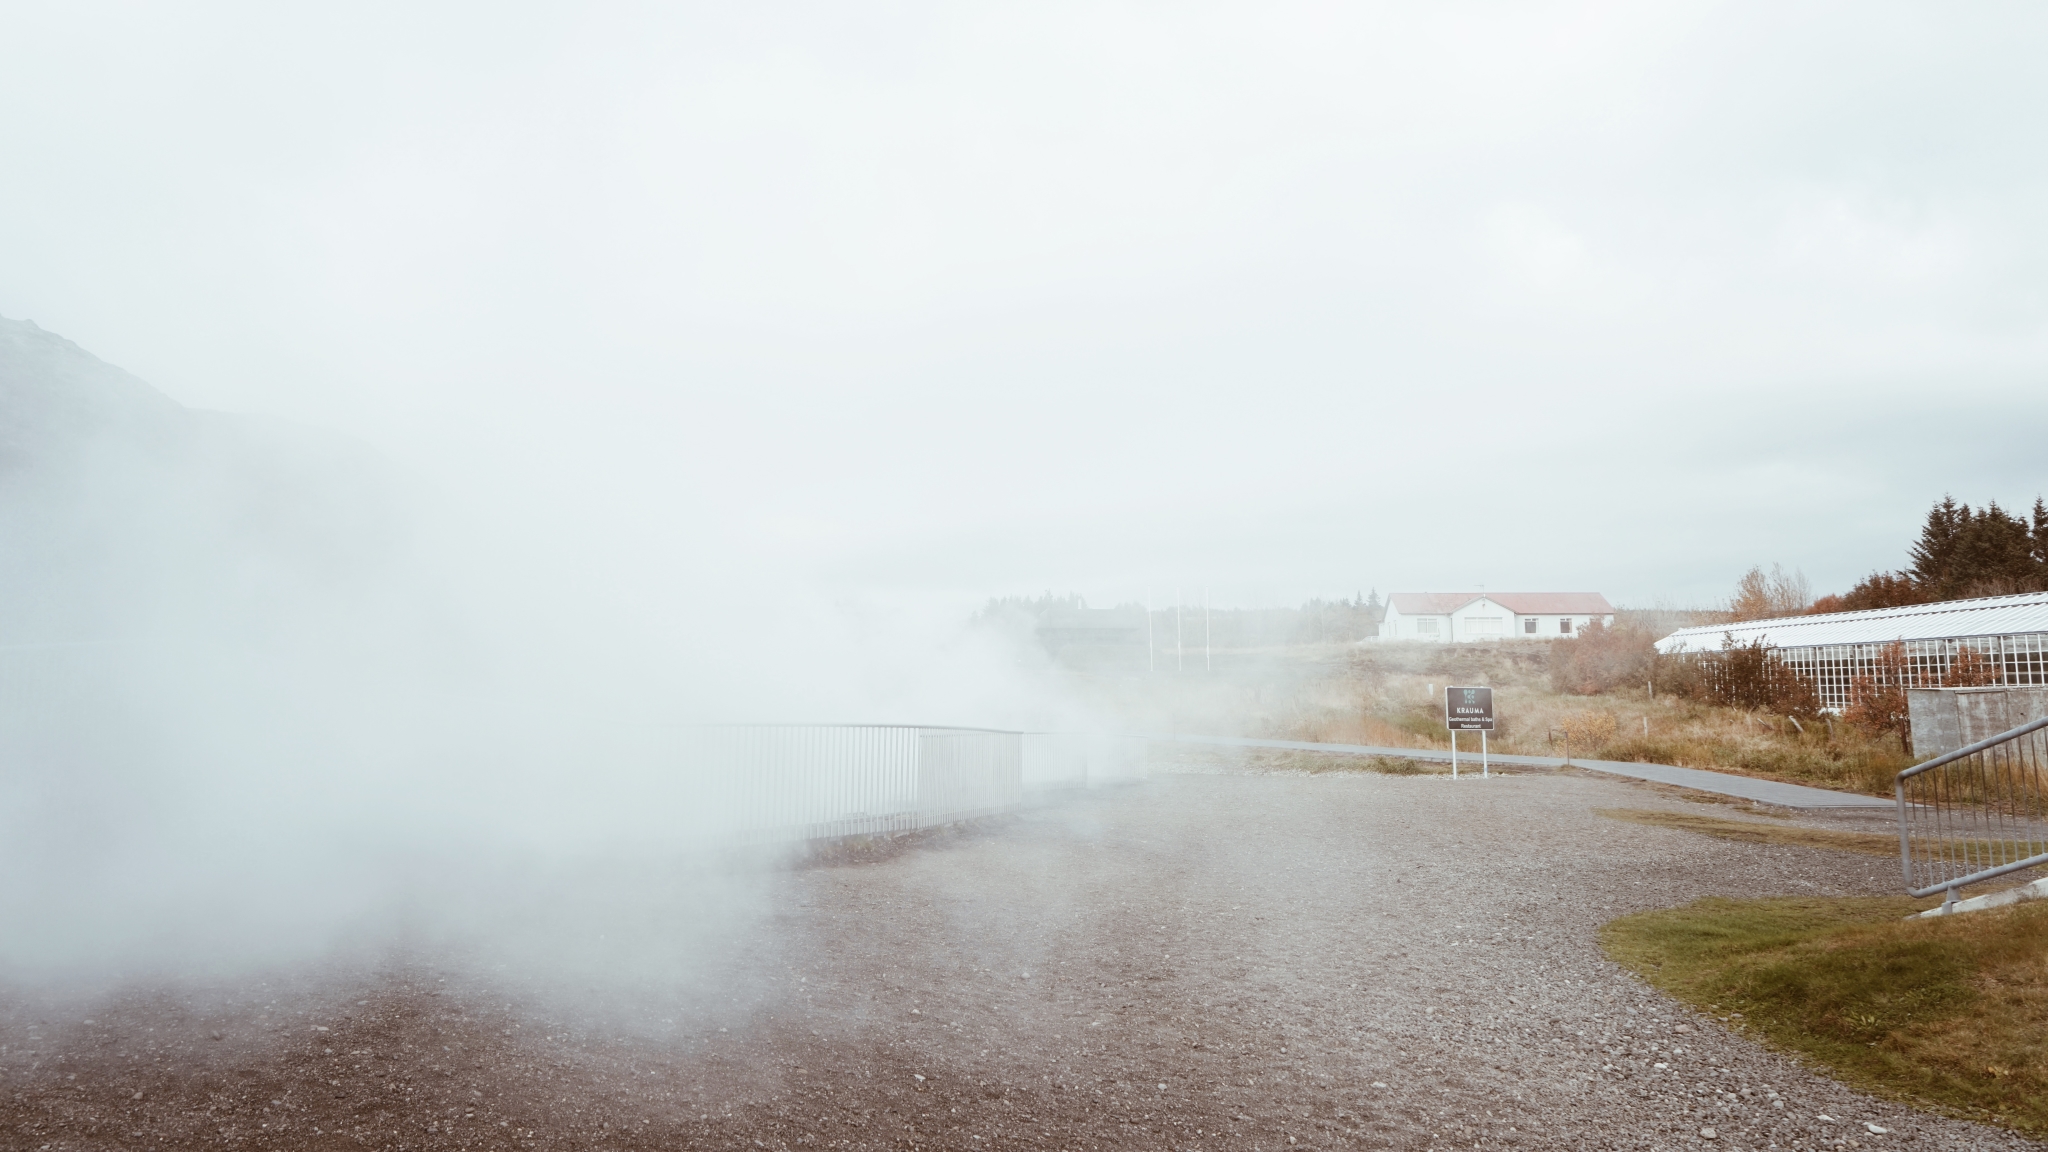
1202, 961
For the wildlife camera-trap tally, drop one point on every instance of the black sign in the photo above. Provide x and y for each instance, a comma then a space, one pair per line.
1468, 709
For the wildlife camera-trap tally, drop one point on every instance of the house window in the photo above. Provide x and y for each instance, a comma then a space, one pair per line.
1426, 626
1565, 625
1482, 626
1529, 626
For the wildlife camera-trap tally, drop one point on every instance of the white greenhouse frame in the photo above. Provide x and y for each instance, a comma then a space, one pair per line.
1830, 651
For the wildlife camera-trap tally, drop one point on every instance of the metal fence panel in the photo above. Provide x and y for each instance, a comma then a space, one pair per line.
787, 782
964, 774
1975, 813
1080, 759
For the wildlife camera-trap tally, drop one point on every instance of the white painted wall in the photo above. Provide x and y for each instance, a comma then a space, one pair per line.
1552, 627
1481, 620
1395, 626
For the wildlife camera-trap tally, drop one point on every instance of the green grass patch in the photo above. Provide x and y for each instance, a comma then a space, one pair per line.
1949, 1012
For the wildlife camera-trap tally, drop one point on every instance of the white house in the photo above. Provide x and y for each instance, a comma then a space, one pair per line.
1448, 616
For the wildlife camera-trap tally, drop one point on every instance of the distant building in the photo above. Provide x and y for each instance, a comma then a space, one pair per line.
1457, 616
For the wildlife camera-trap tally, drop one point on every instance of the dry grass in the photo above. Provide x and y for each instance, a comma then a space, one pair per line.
1951, 1012
1757, 832
1391, 696
1830, 754
1537, 722
1869, 843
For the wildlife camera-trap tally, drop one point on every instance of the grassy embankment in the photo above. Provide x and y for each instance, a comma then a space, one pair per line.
1947, 1013
1391, 696
1950, 1013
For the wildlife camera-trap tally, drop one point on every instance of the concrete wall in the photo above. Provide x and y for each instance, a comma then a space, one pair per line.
1945, 719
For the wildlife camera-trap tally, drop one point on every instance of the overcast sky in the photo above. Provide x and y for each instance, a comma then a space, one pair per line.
944, 301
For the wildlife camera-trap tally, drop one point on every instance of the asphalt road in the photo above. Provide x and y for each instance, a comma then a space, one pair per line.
1752, 788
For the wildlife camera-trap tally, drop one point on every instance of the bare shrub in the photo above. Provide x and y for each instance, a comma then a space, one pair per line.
1589, 727
1751, 676
1601, 659
1765, 596
1683, 676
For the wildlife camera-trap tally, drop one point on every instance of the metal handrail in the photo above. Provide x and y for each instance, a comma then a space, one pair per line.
832, 724
2002, 815
1972, 749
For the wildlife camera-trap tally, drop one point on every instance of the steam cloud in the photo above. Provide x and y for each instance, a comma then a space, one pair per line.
269, 697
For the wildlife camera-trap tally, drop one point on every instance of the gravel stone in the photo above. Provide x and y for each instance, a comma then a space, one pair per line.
1216, 962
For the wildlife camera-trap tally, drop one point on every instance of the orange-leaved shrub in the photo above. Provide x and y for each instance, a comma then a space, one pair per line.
1877, 698
1970, 669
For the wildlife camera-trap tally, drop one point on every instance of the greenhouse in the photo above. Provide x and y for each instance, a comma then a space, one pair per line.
2010, 633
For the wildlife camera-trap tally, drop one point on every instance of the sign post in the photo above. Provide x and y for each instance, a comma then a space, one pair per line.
1468, 710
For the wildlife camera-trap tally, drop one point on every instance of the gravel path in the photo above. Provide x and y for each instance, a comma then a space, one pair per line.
1204, 961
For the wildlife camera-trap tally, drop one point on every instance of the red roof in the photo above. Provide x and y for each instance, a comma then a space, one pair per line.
1520, 603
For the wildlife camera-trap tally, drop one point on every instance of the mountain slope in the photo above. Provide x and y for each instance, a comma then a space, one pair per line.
124, 513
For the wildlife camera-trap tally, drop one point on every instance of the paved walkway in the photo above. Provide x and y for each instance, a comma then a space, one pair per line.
1723, 783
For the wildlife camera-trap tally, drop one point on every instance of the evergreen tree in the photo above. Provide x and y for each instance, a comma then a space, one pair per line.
1934, 557
1995, 554
1962, 552
1986, 551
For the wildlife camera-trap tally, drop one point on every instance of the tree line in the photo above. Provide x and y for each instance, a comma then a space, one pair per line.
1963, 552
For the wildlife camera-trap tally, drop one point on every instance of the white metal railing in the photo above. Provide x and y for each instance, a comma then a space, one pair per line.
1079, 759
782, 782
1976, 813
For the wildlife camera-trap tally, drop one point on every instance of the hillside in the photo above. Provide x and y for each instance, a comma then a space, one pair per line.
125, 514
